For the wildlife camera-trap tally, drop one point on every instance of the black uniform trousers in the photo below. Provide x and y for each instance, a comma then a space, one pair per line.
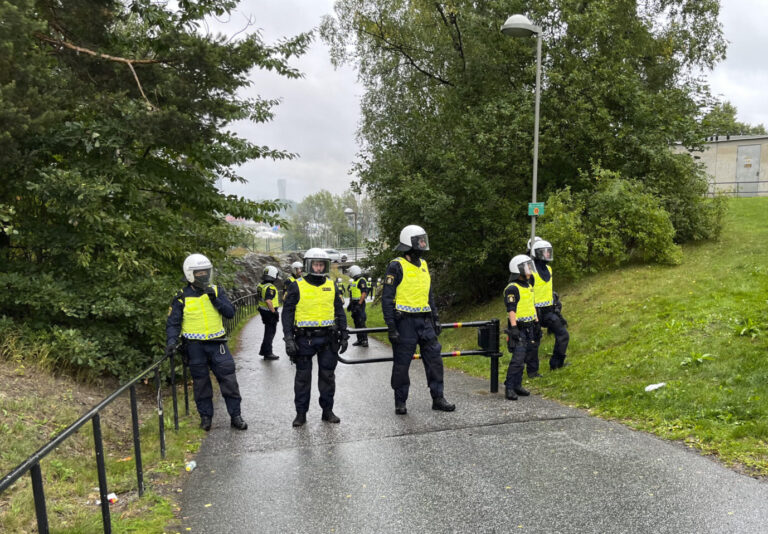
552, 321
416, 329
270, 321
358, 317
213, 356
310, 344
524, 351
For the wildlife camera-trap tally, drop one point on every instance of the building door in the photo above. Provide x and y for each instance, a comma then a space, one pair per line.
747, 170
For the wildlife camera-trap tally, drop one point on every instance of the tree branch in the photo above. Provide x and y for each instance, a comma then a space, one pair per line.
127, 61
457, 44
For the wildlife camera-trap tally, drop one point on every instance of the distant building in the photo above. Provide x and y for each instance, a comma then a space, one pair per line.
734, 162
281, 194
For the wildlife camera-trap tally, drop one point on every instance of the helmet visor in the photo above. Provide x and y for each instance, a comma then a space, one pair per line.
526, 268
544, 253
317, 267
202, 278
420, 242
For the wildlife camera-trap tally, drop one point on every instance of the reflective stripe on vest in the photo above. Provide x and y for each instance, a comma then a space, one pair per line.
201, 320
525, 309
412, 294
261, 290
542, 291
354, 291
316, 304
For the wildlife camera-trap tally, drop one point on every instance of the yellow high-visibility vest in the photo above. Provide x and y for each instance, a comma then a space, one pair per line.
525, 309
542, 291
412, 295
354, 291
316, 304
201, 320
261, 290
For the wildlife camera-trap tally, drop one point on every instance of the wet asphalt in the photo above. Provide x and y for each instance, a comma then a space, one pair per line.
493, 465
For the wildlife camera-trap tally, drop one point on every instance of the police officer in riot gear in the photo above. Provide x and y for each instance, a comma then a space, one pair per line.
411, 317
196, 315
296, 271
523, 332
546, 306
269, 305
358, 291
314, 322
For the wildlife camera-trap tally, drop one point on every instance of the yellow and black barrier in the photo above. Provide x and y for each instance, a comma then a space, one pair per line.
487, 339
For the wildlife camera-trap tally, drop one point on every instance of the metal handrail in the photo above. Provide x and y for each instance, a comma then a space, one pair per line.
32, 463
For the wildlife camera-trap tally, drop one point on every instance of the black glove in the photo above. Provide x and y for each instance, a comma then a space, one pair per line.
537, 332
211, 293
436, 325
291, 348
513, 338
393, 334
170, 350
349, 306
343, 340
562, 319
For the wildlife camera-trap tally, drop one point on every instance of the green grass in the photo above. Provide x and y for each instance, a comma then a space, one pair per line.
700, 327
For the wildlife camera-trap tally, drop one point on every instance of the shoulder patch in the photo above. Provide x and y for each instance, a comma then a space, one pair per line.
390, 279
170, 309
511, 298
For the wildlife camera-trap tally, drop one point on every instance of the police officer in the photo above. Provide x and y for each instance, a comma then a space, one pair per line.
314, 322
358, 291
546, 307
522, 324
269, 305
411, 317
195, 314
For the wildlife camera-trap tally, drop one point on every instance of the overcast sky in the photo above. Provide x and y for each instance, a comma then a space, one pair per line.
319, 113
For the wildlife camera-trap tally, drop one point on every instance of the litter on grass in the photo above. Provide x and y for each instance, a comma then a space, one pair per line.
655, 386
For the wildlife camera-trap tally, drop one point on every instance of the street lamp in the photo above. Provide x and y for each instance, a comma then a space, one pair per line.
348, 212
520, 26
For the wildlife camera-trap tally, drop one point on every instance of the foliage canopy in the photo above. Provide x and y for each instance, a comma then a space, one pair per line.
447, 127
112, 137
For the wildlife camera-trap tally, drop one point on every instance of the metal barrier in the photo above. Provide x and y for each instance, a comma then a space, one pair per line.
715, 189
487, 338
244, 307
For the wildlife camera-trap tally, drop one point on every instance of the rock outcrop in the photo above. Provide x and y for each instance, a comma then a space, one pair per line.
251, 267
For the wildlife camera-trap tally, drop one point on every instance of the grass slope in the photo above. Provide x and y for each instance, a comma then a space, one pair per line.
700, 327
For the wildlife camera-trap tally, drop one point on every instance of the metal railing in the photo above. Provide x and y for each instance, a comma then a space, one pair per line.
715, 189
487, 339
244, 308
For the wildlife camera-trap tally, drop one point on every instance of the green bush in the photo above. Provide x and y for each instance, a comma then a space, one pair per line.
616, 222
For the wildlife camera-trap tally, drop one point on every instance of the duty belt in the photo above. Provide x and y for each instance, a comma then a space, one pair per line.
314, 331
525, 324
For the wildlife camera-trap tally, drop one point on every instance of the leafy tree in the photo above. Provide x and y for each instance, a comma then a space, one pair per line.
447, 115
721, 120
112, 136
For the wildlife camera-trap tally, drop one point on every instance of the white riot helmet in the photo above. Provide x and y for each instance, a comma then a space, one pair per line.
535, 240
198, 270
355, 271
296, 267
270, 273
522, 264
413, 237
542, 250
317, 256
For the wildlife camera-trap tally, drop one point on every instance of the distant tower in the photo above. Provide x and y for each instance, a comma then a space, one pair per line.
281, 189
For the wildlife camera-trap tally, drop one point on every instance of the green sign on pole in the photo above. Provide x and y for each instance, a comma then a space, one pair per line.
535, 209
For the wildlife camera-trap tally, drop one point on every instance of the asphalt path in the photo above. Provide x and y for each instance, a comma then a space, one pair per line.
493, 465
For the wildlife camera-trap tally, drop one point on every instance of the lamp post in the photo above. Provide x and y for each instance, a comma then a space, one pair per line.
520, 26
348, 212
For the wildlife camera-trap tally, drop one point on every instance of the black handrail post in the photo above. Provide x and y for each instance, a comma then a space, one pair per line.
186, 379
495, 355
137, 442
173, 392
37, 491
99, 447
161, 423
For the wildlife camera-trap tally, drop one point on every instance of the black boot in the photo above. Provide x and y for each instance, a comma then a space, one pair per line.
520, 390
510, 394
442, 405
271, 357
301, 418
535, 375
205, 422
400, 408
357, 343
238, 423
330, 417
